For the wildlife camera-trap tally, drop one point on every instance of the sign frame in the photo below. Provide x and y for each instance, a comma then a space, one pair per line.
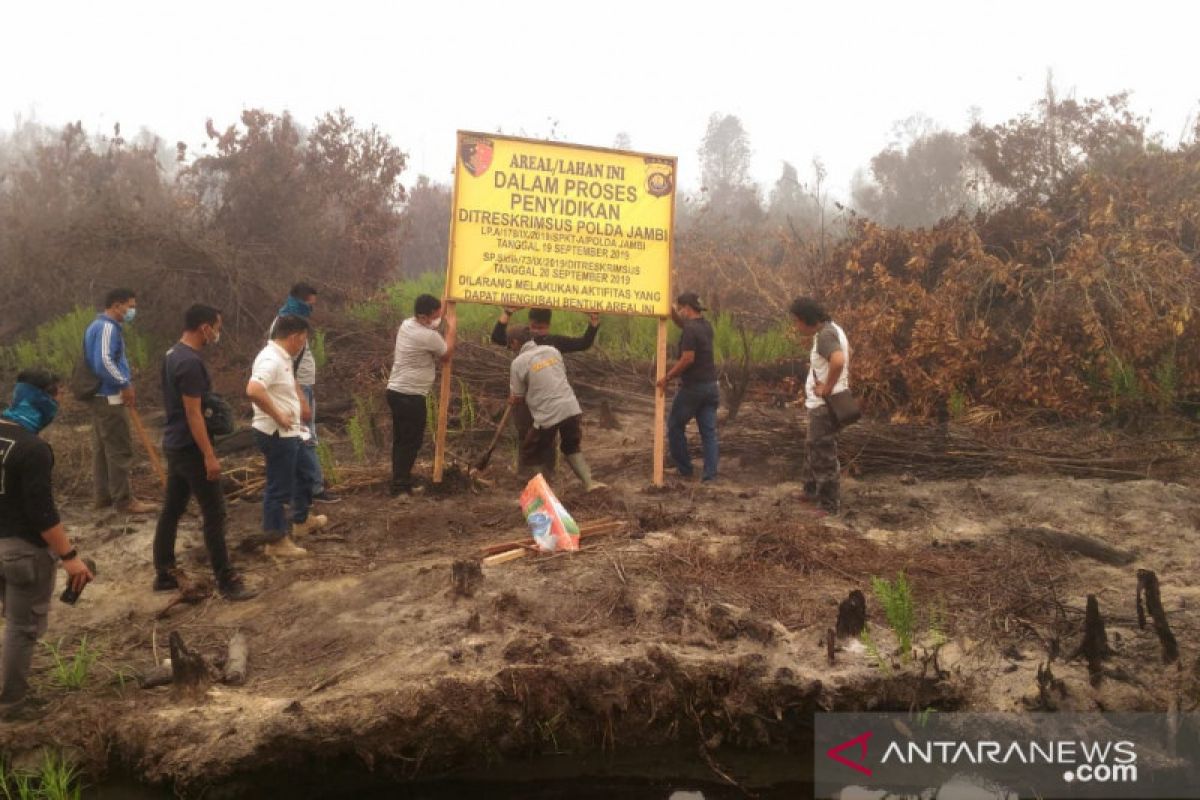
450, 299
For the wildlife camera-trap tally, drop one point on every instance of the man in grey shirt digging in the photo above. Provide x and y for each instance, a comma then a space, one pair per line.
538, 378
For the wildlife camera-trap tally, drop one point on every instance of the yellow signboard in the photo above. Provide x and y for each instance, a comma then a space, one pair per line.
561, 226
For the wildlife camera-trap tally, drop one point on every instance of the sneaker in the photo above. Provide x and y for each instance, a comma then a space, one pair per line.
326, 496
284, 548
396, 490
313, 523
134, 506
235, 591
165, 582
597, 487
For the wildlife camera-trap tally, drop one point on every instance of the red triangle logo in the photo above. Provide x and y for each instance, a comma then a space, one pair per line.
859, 741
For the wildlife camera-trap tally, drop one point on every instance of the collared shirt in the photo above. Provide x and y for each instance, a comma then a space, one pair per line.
273, 369
414, 364
304, 364
539, 375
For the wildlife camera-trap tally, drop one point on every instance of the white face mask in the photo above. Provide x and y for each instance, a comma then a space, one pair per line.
433, 324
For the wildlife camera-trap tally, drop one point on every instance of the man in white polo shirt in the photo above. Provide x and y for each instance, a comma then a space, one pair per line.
280, 412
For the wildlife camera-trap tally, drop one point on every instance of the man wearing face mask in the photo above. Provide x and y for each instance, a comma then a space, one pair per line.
32, 537
280, 433
192, 465
112, 443
419, 348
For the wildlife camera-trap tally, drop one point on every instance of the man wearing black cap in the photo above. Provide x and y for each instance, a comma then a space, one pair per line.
698, 396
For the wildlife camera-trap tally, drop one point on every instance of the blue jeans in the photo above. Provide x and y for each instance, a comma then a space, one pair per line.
289, 482
309, 450
699, 402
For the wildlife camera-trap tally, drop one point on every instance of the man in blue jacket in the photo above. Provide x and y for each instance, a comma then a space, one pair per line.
112, 444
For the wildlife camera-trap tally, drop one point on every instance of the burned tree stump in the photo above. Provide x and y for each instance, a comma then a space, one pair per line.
1147, 587
1095, 640
466, 575
852, 614
235, 662
830, 645
188, 668
1048, 686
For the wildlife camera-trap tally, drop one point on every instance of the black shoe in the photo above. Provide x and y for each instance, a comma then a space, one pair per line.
326, 496
235, 591
396, 490
165, 582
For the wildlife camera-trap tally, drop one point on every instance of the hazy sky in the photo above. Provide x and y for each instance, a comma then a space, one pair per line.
806, 81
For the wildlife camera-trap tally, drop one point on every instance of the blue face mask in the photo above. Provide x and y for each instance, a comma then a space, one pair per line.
130, 313
31, 408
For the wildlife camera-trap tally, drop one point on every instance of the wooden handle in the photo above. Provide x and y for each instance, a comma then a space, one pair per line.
155, 461
496, 437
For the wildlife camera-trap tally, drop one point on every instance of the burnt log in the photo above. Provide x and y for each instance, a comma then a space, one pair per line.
1074, 543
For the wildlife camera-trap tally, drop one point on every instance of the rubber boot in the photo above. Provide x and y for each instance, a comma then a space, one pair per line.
580, 467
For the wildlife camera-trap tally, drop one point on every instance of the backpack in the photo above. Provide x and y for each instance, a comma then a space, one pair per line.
83, 385
218, 415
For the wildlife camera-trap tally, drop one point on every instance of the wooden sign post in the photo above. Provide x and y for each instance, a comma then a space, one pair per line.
660, 403
552, 225
444, 392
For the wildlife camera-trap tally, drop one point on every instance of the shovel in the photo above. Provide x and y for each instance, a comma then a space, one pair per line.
487, 456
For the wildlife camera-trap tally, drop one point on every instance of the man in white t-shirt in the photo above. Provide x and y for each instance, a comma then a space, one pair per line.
280, 412
829, 373
419, 349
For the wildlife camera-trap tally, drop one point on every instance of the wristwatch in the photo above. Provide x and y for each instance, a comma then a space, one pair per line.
70, 555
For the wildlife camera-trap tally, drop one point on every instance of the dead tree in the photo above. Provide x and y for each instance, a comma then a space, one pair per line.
852, 614
1147, 586
1095, 640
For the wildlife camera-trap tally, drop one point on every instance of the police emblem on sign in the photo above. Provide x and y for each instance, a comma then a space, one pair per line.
660, 180
476, 155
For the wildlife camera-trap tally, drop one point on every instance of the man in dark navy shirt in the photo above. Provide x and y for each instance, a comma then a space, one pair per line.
32, 536
192, 465
699, 396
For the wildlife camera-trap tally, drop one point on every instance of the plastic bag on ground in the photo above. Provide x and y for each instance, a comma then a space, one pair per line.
552, 527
